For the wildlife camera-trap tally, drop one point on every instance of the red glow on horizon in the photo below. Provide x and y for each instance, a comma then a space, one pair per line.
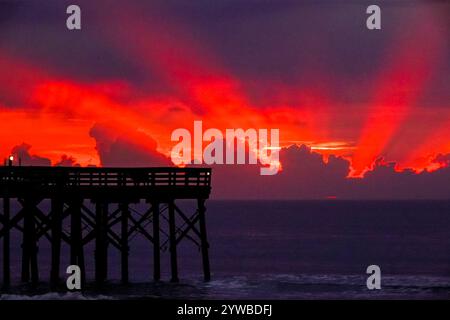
55, 114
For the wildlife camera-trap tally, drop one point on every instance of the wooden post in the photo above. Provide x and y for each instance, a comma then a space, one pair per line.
204, 239
124, 241
29, 245
56, 226
6, 244
73, 233
76, 237
33, 246
101, 253
173, 242
105, 240
82, 265
156, 243
98, 242
27, 220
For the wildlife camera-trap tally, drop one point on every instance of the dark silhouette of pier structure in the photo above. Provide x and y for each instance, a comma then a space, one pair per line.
96, 205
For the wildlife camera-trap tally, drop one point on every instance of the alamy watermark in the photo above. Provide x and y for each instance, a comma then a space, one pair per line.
73, 21
234, 146
374, 280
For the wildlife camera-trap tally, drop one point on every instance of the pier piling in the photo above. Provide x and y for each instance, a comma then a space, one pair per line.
156, 243
173, 243
6, 244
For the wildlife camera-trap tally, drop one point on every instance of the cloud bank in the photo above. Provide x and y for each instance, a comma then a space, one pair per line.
306, 175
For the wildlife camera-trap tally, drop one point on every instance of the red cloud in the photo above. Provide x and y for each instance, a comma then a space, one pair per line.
22, 154
126, 149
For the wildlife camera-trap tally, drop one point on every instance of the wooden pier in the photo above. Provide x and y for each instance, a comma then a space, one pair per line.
73, 192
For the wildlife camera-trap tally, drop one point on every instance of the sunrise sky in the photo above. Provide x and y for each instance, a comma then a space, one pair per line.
140, 69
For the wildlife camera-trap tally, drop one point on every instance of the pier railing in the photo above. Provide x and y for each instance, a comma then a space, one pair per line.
111, 177
16, 180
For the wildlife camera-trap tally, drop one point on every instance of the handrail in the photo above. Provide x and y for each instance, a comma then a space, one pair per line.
106, 177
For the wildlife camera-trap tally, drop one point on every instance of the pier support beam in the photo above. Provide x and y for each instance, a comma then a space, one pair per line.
204, 239
101, 242
25, 276
6, 244
125, 212
56, 227
29, 245
156, 243
76, 237
173, 242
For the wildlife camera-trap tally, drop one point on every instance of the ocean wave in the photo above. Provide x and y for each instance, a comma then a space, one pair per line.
54, 296
263, 286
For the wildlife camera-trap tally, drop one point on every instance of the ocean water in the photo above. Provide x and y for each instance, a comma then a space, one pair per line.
286, 250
